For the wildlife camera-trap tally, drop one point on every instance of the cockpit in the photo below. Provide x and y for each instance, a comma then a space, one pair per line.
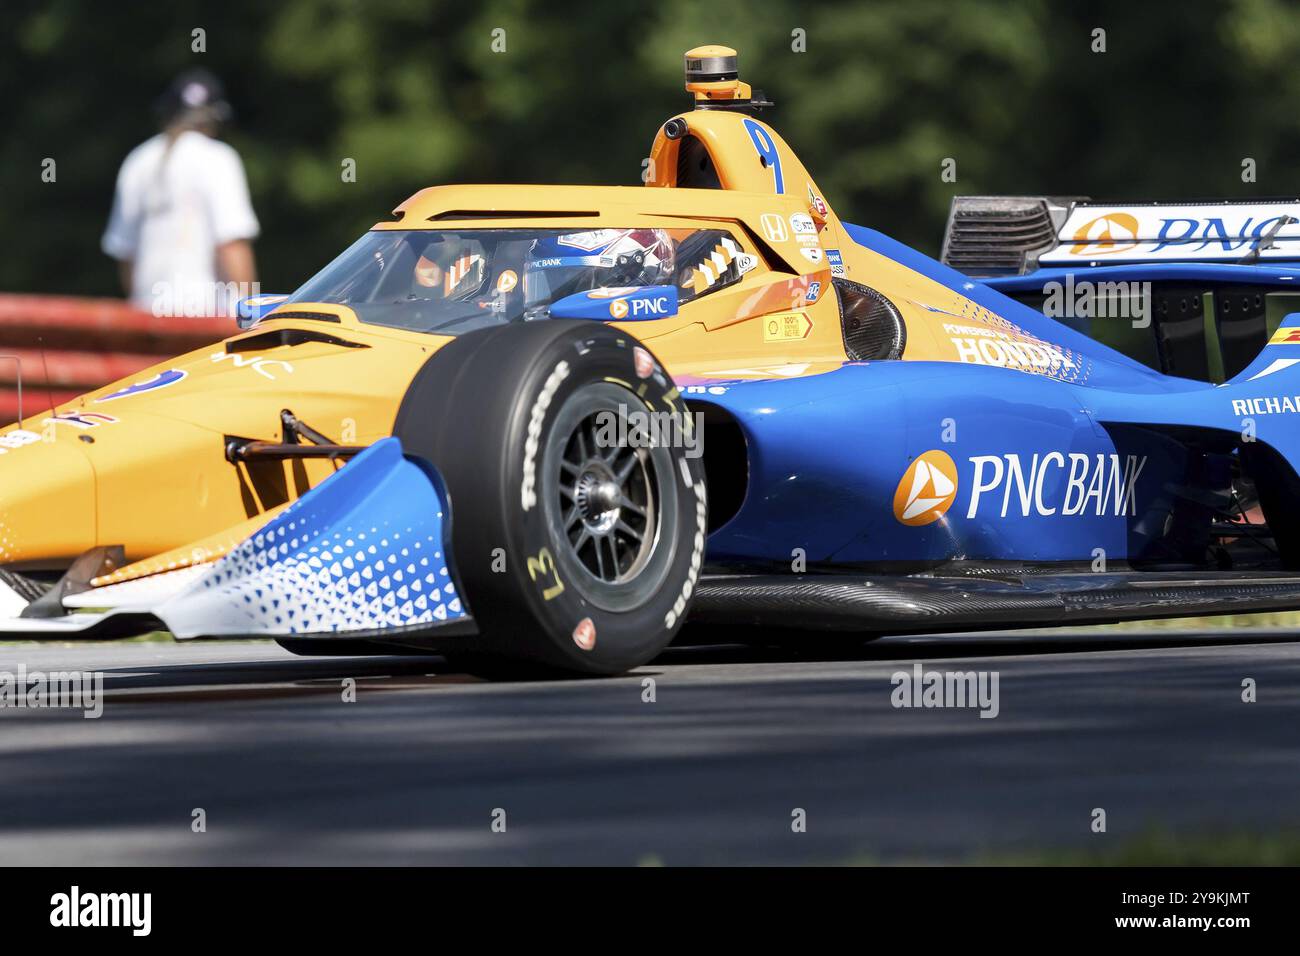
451, 282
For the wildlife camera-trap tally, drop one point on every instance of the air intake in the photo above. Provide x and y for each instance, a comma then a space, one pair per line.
313, 316
1000, 235
873, 329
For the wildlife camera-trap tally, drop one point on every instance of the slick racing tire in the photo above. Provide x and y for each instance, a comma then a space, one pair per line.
578, 520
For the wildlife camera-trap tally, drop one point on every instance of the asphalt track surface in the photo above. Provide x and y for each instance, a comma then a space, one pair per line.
1149, 726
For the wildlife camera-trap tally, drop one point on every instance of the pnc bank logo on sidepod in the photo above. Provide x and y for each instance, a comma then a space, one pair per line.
1106, 235
927, 489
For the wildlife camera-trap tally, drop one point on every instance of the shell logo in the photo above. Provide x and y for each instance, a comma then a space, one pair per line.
618, 308
927, 489
1106, 235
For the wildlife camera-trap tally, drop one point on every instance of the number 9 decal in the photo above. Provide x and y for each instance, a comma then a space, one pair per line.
766, 150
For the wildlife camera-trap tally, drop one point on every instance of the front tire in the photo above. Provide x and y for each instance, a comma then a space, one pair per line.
577, 541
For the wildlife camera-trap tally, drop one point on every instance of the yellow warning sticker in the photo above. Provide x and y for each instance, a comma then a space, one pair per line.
786, 326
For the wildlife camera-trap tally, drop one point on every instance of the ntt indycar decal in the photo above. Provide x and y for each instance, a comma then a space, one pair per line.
1051, 484
1207, 231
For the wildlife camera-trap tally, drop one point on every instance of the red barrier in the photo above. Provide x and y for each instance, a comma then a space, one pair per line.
69, 346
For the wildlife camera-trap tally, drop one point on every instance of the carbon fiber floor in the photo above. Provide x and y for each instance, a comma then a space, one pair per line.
876, 603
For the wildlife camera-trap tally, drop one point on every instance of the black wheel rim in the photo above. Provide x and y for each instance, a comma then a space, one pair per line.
606, 500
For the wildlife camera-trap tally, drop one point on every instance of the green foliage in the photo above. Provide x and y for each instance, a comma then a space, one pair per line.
413, 92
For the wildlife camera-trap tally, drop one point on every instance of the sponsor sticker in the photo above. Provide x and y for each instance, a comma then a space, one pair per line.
786, 326
589, 241
1099, 484
927, 489
802, 224
1041, 485
161, 380
17, 439
1106, 235
705, 389
773, 227
81, 419
258, 363
836, 263
618, 308
1281, 405
813, 254
1177, 231
981, 345
507, 281
814, 291
815, 204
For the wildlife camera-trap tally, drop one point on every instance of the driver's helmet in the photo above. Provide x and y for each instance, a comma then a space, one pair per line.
558, 266
449, 269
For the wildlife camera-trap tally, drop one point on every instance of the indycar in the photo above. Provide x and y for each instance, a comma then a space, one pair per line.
560, 427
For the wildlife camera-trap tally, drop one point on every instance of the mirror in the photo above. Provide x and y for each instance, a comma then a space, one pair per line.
250, 310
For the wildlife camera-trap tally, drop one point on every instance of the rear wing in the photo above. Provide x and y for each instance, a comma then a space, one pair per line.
1014, 235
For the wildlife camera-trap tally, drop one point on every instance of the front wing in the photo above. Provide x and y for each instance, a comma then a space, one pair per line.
362, 554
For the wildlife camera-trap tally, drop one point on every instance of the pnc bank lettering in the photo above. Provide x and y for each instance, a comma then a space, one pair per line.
1098, 484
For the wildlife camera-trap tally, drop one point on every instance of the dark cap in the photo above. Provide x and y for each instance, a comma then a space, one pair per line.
194, 95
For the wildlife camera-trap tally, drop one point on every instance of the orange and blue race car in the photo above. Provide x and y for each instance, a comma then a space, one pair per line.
550, 425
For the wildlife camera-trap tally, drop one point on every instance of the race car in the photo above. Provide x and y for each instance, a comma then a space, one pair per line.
549, 426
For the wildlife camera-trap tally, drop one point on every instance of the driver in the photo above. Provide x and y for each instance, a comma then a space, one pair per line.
559, 266
450, 268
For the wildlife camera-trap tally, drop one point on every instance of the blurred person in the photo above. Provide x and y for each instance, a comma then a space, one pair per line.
182, 223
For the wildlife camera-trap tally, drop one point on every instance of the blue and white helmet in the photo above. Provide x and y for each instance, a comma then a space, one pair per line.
558, 266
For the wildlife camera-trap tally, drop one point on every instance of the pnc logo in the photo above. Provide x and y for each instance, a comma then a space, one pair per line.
618, 308
1105, 235
926, 490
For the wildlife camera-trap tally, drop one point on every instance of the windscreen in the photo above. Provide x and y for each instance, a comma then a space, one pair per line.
456, 281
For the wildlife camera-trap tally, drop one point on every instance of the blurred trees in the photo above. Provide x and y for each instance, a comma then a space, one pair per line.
414, 93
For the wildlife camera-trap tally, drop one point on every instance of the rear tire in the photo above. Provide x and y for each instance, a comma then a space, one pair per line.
577, 547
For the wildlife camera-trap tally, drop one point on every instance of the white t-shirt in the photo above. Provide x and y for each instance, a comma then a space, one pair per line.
172, 209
